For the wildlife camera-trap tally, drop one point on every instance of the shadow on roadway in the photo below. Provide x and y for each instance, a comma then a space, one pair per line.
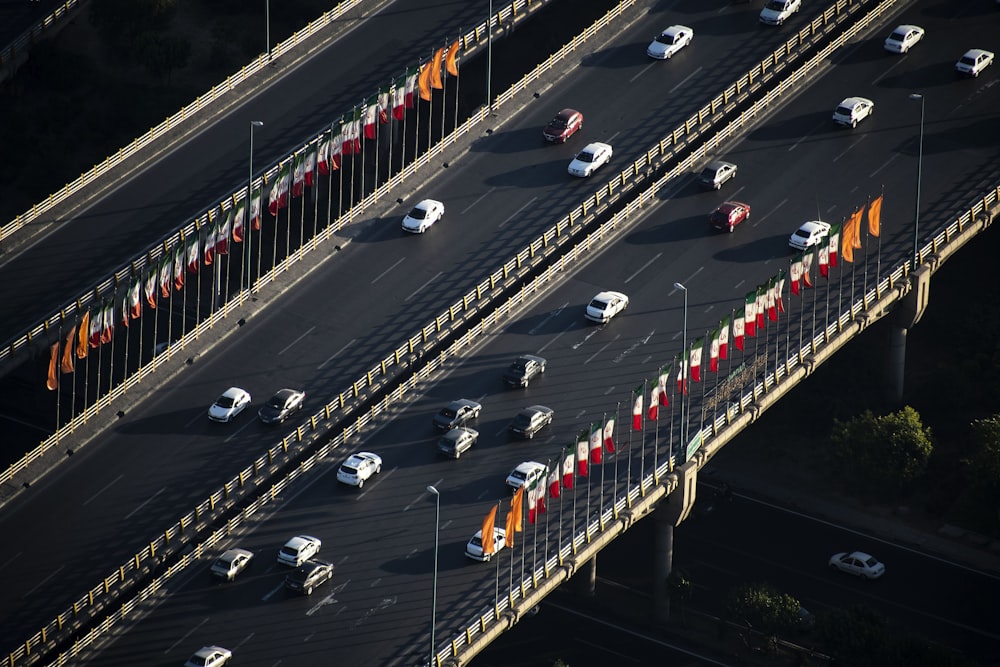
816, 124
681, 229
757, 251
542, 174
531, 325
929, 76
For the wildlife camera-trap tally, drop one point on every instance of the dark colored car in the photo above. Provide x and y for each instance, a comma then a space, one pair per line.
563, 126
280, 406
728, 215
309, 575
524, 369
457, 440
530, 421
457, 413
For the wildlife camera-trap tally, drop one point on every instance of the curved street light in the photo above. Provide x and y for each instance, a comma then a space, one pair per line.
437, 532
684, 367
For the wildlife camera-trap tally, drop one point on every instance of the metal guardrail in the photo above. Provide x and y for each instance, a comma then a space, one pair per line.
19, 47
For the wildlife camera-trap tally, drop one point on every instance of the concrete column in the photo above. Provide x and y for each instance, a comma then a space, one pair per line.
663, 560
586, 578
897, 364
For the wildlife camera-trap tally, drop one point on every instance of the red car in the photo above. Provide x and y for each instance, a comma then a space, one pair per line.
728, 215
563, 126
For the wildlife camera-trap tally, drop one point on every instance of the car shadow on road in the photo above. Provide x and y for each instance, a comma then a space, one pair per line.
771, 247
929, 76
681, 229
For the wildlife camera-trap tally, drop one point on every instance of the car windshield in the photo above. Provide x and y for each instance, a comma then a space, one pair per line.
801, 233
418, 213
448, 413
665, 39
597, 304
966, 60
519, 366
522, 419
224, 563
557, 123
225, 402
708, 174
585, 156
871, 562
898, 36
290, 551
198, 660
845, 110
476, 542
776, 5
519, 474
348, 470
277, 402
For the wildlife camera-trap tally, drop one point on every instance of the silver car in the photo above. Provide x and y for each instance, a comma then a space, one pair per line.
457, 413
231, 563
458, 440
715, 175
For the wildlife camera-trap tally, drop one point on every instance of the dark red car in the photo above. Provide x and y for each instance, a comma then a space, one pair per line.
563, 126
728, 215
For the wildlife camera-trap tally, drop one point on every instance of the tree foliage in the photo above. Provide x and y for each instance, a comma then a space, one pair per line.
764, 608
885, 453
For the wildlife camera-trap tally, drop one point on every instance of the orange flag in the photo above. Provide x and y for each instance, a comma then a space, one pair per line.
449, 59
83, 334
52, 381
67, 355
875, 216
436, 69
851, 237
514, 515
488, 524
424, 82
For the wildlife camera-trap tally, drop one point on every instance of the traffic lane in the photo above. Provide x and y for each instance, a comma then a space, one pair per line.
749, 541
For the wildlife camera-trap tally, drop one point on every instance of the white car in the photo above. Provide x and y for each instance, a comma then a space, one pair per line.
232, 402
974, 61
669, 42
903, 38
422, 216
606, 305
231, 563
776, 12
853, 110
299, 549
525, 474
210, 656
587, 161
358, 468
857, 563
809, 234
474, 549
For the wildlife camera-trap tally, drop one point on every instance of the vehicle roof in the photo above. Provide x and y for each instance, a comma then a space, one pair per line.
674, 29
362, 456
730, 206
287, 393
814, 225
607, 295
860, 555
972, 53
231, 553
234, 392
718, 164
300, 540
852, 101
462, 402
594, 146
535, 408
427, 203
456, 433
567, 113
528, 466
906, 27
529, 357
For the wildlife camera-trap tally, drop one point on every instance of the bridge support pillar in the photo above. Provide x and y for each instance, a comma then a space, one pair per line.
670, 513
908, 313
586, 578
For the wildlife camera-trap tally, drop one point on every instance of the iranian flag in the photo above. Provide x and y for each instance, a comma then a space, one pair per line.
824, 260
567, 467
637, 408
682, 374
596, 440
713, 353
779, 287
299, 175
609, 435
126, 310
582, 442
532, 492
760, 307
807, 262
150, 285
553, 479
352, 134
255, 209
695, 357
738, 323
209, 253
108, 322
222, 234
166, 275
772, 302
324, 152
539, 489
178, 268
135, 299
239, 218
193, 254
724, 339
311, 165
749, 314
410, 89
370, 115
662, 380
336, 148
833, 244
384, 104
653, 411
96, 320
795, 274
278, 199
399, 98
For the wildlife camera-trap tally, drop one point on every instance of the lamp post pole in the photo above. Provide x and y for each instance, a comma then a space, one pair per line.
437, 533
489, 57
920, 169
684, 367
249, 207
267, 26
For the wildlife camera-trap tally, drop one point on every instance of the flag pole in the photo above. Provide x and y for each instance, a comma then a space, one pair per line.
614, 495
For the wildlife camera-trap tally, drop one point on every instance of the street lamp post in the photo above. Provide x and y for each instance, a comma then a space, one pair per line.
249, 205
267, 27
489, 56
437, 533
920, 168
684, 365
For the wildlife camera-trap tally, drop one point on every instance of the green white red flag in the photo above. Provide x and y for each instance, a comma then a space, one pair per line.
582, 442
724, 338
596, 440
637, 408
609, 435
738, 323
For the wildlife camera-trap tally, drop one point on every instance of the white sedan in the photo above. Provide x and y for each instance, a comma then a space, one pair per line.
853, 110
358, 468
592, 157
974, 61
422, 216
669, 42
857, 563
299, 549
232, 402
776, 12
903, 38
525, 473
210, 656
474, 549
606, 305
809, 234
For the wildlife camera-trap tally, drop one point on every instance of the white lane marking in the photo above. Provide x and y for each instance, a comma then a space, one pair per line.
484, 196
245, 640
381, 275
289, 346
42, 582
102, 490
764, 217
642, 71
271, 593
884, 165
588, 337
830, 210
238, 431
643, 267
423, 495
551, 314
556, 337
518, 212
580, 414
687, 280
329, 599
846, 150
601, 349
146, 502
337, 353
417, 291
686, 79
378, 481
185, 636
609, 390
899, 61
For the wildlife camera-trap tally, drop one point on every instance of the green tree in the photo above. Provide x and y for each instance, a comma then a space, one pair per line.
121, 21
882, 453
764, 608
980, 501
162, 54
855, 636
